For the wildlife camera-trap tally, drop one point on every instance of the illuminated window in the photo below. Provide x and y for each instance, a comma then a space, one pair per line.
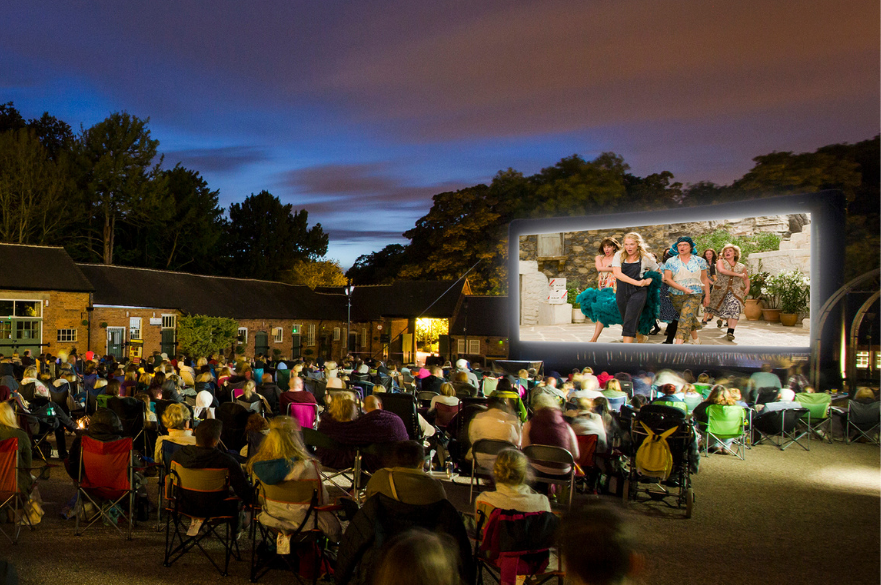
5, 329
878, 360
243, 334
134, 328
473, 346
277, 334
67, 335
862, 360
310, 334
336, 333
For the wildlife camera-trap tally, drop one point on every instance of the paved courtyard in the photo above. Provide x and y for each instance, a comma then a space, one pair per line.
747, 333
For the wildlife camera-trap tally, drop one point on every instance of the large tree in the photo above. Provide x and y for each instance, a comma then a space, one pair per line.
315, 273
381, 267
34, 191
120, 179
266, 237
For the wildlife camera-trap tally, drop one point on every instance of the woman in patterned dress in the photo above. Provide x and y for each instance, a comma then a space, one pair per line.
603, 263
686, 275
732, 286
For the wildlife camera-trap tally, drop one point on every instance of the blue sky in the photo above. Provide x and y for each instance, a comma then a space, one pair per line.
360, 111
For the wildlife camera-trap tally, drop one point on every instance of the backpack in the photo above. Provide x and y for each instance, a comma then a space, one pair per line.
653, 458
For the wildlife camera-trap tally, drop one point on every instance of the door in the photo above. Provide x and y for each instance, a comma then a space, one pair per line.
261, 343
325, 344
115, 341
168, 344
295, 346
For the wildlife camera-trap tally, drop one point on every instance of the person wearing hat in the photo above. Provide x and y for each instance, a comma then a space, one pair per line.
462, 366
686, 275
732, 286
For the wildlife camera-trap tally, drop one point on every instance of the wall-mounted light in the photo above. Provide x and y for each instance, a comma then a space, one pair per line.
47, 302
126, 313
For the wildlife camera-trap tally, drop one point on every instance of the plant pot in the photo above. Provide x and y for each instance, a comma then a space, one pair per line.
771, 315
789, 319
752, 308
577, 315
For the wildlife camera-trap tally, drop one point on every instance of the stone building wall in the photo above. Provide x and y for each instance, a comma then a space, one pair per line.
60, 310
581, 248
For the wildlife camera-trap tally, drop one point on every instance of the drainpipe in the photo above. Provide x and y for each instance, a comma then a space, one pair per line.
89, 310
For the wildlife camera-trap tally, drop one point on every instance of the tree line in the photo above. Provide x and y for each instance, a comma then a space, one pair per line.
469, 226
104, 196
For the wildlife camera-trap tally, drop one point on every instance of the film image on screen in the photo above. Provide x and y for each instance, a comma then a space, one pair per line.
555, 268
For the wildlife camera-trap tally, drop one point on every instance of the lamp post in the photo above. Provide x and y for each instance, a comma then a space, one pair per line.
349, 289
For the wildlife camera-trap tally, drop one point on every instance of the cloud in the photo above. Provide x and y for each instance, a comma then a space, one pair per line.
223, 159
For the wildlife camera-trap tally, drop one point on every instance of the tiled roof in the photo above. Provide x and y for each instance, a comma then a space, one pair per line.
37, 268
404, 298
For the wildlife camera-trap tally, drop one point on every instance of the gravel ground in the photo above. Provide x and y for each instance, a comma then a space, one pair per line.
781, 517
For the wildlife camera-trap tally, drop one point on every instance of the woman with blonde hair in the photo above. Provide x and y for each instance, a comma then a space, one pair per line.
511, 473
447, 396
283, 457
630, 267
31, 377
9, 429
730, 289
175, 418
250, 397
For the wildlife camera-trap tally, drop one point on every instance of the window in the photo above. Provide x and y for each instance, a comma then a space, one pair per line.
310, 334
134, 328
277, 334
862, 360
336, 333
67, 335
473, 346
21, 308
5, 329
878, 360
364, 338
550, 245
243, 335
27, 329
169, 321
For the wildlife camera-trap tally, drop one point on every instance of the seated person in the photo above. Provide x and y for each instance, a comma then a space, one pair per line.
250, 398
283, 457
585, 386
447, 396
205, 454
296, 393
374, 402
8, 429
668, 394
270, 391
341, 422
463, 388
462, 366
613, 389
104, 426
586, 422
610, 560
204, 406
548, 427
785, 400
419, 557
496, 422
510, 471
737, 397
718, 395
405, 480
766, 378
505, 389
433, 382
175, 418
547, 386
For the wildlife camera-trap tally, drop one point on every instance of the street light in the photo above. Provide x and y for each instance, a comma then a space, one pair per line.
349, 289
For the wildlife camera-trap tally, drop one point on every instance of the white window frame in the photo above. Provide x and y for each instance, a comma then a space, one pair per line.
278, 334
862, 359
169, 321
460, 346
337, 333
135, 325
243, 331
310, 334
473, 346
67, 335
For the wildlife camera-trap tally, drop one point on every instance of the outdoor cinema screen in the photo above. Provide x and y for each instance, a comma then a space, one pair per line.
565, 303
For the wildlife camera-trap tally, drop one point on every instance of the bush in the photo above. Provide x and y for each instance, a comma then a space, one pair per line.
199, 335
760, 242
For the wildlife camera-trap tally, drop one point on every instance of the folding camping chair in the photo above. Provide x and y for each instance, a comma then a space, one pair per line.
266, 533
306, 414
725, 423
865, 419
202, 497
404, 405
316, 439
12, 498
782, 428
106, 480
482, 467
818, 421
169, 448
516, 543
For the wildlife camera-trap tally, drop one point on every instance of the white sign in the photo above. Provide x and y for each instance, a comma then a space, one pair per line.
155, 320
557, 291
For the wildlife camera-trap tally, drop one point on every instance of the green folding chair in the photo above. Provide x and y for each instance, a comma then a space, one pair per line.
680, 405
726, 423
282, 378
704, 389
818, 405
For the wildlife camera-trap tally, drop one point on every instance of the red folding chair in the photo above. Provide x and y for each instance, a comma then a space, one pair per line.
445, 413
106, 480
516, 543
586, 470
306, 414
11, 496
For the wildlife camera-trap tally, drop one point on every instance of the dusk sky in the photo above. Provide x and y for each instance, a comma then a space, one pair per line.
359, 112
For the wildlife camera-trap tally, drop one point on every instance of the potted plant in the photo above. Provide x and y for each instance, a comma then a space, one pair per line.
572, 287
771, 310
753, 302
793, 288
